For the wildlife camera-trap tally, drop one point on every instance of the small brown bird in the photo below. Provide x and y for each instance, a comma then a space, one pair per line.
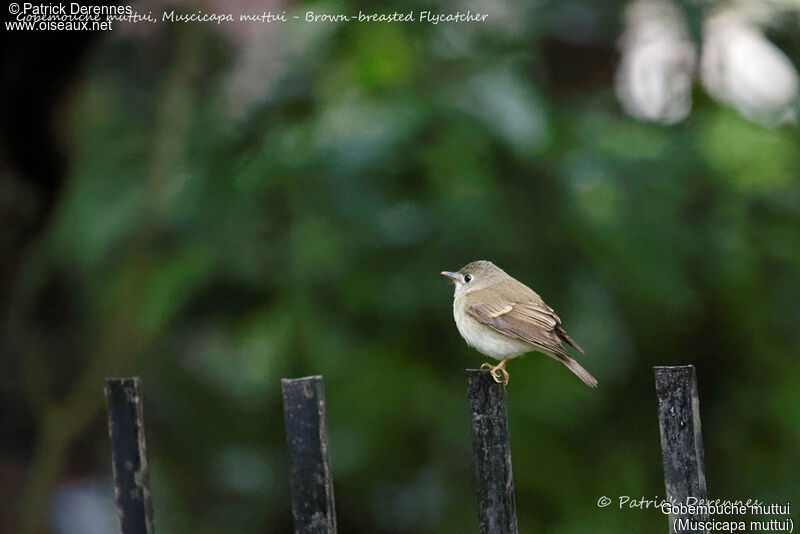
503, 318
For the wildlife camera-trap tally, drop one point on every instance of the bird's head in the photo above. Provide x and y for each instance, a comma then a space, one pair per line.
474, 276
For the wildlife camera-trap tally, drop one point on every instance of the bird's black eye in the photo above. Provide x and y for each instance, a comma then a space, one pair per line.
467, 278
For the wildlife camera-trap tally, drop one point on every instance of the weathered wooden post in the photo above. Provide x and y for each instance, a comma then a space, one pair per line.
129, 457
307, 437
491, 454
681, 440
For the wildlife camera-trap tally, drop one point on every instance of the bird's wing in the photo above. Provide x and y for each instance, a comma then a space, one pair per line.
524, 317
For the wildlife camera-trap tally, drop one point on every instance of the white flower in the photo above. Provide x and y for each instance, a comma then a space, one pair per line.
654, 79
741, 67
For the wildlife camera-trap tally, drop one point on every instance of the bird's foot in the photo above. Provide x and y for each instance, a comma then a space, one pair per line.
498, 371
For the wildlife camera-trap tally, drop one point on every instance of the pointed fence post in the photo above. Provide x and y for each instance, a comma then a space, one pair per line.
681, 440
491, 454
307, 437
129, 457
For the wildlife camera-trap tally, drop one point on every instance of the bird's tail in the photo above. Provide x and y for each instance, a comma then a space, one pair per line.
576, 368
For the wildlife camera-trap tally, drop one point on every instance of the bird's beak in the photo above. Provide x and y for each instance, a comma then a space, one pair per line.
451, 276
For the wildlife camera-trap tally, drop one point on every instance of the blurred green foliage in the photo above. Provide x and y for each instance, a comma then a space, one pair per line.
245, 208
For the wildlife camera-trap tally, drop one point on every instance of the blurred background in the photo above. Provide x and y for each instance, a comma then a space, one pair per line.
215, 207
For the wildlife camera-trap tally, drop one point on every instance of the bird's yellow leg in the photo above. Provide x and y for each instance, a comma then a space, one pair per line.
498, 371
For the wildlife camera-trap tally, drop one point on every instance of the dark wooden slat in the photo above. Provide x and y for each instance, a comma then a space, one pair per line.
307, 437
129, 457
491, 454
681, 438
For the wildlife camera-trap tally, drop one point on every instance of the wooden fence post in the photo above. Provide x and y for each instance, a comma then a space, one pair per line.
129, 458
681, 440
307, 437
491, 454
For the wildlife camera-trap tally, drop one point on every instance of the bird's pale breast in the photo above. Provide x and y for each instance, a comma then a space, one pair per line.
485, 339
